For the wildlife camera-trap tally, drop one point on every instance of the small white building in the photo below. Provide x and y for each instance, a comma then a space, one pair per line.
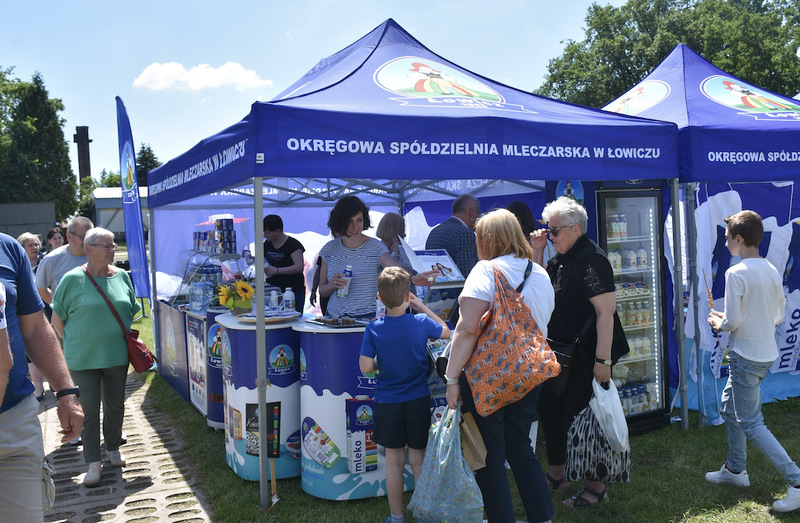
106, 210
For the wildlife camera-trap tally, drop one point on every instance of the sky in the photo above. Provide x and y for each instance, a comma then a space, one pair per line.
186, 70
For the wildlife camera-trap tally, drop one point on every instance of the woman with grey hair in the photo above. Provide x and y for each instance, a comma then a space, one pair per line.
32, 245
585, 295
94, 347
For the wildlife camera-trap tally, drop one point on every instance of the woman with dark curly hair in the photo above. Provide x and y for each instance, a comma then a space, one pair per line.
367, 256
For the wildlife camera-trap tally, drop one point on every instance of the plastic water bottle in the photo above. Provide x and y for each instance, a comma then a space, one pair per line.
288, 299
380, 309
348, 274
196, 297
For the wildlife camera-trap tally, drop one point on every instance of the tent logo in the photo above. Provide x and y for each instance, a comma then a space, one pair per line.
647, 94
419, 78
752, 101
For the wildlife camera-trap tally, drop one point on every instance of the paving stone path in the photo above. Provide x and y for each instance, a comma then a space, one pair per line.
157, 484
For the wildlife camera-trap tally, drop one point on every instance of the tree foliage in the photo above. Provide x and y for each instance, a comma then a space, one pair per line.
755, 40
146, 161
109, 179
34, 155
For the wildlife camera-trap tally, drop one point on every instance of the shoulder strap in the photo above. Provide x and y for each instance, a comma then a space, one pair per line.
528, 270
103, 294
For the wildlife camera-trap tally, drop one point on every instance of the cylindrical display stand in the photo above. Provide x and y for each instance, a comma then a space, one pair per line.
339, 459
215, 386
239, 372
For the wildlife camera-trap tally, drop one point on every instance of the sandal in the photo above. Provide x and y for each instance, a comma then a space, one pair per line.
578, 501
556, 484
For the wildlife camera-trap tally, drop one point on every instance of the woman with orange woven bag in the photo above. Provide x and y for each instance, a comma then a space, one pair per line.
506, 431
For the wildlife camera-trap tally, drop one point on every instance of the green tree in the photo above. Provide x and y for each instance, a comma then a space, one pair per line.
109, 179
34, 155
755, 40
146, 161
87, 185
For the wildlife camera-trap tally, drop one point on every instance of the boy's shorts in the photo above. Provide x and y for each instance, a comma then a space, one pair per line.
401, 424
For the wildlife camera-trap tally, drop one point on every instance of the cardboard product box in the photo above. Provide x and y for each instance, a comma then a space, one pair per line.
362, 451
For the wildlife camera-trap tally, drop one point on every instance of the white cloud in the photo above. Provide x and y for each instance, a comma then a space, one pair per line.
172, 75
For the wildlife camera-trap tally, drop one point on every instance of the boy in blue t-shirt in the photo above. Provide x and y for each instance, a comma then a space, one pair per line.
396, 345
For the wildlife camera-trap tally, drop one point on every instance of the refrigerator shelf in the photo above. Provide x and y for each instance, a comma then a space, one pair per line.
635, 297
628, 239
633, 270
636, 357
642, 326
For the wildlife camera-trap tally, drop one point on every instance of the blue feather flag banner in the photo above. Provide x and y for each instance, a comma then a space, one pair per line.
131, 206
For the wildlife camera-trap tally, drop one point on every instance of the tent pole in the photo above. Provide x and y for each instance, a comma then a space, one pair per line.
153, 285
261, 354
677, 282
691, 238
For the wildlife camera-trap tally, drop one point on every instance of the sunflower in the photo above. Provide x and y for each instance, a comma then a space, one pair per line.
224, 294
244, 290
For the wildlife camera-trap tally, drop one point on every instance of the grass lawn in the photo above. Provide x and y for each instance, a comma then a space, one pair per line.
667, 482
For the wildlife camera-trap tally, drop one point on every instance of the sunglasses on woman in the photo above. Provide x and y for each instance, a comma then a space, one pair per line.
553, 231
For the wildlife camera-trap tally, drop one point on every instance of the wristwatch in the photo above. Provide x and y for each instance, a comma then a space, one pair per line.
450, 381
604, 362
66, 392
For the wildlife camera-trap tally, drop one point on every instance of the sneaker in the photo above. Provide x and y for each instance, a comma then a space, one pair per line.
725, 476
790, 503
75, 441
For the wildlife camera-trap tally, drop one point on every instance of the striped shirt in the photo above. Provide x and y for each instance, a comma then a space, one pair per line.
366, 262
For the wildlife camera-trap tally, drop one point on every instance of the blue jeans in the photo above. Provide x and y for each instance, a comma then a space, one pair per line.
741, 409
506, 434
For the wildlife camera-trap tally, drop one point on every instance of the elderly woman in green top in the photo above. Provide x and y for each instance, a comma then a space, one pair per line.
94, 346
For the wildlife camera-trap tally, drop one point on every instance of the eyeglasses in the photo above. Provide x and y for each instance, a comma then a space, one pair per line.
553, 231
112, 246
77, 235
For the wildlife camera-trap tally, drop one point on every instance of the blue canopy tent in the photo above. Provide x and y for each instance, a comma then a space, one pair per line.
733, 135
386, 118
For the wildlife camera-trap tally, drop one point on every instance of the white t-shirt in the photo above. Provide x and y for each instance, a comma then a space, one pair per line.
754, 305
537, 292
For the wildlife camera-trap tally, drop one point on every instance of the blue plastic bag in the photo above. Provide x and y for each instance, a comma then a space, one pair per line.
446, 490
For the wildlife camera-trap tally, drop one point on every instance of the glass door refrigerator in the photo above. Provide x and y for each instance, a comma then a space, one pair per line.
630, 231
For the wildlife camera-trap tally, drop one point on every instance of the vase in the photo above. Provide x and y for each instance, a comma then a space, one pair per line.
241, 307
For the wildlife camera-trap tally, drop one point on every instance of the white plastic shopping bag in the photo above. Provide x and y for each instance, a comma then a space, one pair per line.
607, 408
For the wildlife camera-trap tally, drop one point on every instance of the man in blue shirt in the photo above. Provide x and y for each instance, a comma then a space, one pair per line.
21, 443
456, 234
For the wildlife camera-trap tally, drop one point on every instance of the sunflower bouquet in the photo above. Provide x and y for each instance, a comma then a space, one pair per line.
237, 296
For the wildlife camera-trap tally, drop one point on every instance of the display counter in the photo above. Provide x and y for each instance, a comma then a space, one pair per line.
338, 462
172, 356
239, 372
204, 354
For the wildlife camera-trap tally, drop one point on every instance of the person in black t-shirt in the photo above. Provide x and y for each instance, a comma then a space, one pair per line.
285, 257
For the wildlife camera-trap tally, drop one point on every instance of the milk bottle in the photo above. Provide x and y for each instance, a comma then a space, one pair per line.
641, 257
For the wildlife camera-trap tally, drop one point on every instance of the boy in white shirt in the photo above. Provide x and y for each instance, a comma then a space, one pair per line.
754, 305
